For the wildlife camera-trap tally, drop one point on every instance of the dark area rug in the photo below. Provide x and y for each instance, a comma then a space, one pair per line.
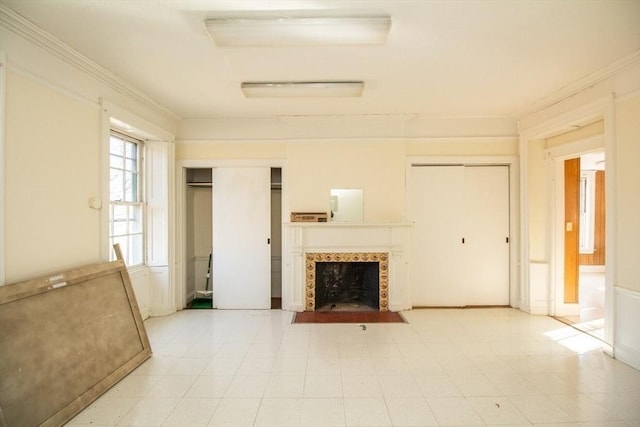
348, 317
200, 303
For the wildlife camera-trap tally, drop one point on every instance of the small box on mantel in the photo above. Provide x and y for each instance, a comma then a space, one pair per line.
308, 217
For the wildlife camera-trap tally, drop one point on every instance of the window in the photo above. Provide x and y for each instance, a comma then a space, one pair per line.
126, 207
587, 211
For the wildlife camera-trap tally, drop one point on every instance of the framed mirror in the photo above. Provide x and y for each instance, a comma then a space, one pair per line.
347, 205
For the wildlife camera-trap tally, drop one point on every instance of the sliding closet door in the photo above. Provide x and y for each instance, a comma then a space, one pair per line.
241, 235
486, 235
460, 247
437, 207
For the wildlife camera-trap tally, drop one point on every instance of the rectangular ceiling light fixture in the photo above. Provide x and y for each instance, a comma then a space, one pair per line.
298, 30
302, 89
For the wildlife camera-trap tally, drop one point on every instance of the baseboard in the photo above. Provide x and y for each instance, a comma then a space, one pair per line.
628, 356
541, 310
159, 312
626, 332
293, 307
190, 296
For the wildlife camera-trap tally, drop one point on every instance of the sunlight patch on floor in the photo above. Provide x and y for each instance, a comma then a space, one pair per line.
575, 340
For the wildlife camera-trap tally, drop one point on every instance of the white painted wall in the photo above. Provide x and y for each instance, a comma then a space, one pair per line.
627, 232
628, 193
52, 169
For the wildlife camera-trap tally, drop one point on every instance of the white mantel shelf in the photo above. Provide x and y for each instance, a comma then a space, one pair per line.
301, 238
349, 224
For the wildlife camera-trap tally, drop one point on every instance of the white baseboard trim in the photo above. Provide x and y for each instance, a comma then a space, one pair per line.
626, 332
191, 296
627, 355
541, 310
294, 307
398, 307
159, 312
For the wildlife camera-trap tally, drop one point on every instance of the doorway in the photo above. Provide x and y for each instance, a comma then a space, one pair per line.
203, 248
276, 238
583, 283
198, 234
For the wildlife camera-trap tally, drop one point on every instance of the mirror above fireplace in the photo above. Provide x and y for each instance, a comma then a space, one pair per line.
346, 205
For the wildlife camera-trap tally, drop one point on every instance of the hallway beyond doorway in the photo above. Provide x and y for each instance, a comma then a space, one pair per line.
591, 318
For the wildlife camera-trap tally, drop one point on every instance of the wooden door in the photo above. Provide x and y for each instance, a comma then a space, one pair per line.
241, 270
571, 229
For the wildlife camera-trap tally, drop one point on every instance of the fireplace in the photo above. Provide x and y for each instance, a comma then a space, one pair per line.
347, 281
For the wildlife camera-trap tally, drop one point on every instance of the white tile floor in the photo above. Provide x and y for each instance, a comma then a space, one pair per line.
473, 367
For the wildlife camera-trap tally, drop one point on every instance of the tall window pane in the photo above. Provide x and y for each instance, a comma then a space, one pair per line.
126, 213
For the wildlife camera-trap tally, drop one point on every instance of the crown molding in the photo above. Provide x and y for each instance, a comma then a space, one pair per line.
580, 85
26, 29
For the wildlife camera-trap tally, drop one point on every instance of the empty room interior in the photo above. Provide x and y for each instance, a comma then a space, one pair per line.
320, 213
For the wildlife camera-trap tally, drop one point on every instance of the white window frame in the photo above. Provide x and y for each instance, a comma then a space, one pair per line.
137, 258
587, 211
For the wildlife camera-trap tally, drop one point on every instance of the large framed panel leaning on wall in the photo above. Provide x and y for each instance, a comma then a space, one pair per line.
64, 340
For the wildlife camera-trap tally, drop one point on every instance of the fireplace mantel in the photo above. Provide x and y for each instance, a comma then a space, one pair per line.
301, 238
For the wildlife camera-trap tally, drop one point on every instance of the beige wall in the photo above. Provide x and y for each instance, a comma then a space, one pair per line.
627, 133
230, 150
52, 152
378, 168
538, 202
463, 148
313, 168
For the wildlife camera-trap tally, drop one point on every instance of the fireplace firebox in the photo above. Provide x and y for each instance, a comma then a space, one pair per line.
346, 281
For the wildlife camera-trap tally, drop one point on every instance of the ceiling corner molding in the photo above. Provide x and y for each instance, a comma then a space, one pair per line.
508, 139
580, 85
26, 29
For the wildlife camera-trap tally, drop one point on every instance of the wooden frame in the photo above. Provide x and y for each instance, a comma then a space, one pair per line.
64, 340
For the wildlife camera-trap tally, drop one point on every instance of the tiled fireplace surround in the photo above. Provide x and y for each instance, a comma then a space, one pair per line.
306, 242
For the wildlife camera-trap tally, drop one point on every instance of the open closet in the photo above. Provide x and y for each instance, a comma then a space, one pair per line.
233, 237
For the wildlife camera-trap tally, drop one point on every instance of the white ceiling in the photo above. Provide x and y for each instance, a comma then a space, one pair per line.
467, 58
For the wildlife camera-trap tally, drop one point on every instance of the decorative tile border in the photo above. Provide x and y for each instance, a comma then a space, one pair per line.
382, 258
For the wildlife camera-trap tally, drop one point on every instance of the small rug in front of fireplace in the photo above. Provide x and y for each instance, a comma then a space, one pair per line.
348, 317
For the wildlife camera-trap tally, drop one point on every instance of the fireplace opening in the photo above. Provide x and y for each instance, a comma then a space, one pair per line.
347, 286
347, 281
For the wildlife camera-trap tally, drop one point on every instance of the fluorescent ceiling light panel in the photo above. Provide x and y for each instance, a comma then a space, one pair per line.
302, 89
298, 31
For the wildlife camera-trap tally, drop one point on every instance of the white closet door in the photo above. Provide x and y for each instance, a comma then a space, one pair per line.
487, 229
241, 268
459, 251
437, 207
